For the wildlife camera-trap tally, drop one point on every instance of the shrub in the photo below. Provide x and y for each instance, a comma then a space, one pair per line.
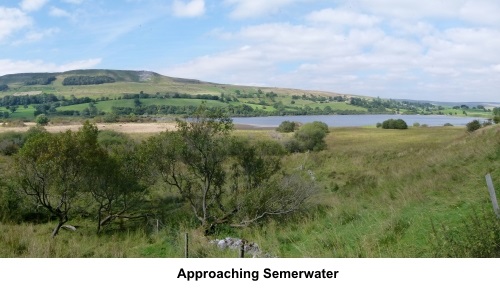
416, 124
10, 142
448, 124
394, 124
311, 136
496, 119
477, 237
473, 125
379, 125
42, 120
287, 126
487, 123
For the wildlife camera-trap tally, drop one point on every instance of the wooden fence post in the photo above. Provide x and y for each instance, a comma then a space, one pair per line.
242, 249
186, 247
493, 195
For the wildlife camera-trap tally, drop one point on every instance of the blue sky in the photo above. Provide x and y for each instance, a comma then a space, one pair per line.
442, 50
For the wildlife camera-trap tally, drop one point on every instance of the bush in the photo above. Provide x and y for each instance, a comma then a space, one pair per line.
416, 124
287, 126
394, 124
477, 237
42, 120
448, 124
311, 136
379, 125
10, 142
496, 119
473, 125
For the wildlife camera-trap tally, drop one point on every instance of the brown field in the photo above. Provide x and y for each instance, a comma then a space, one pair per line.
119, 127
129, 128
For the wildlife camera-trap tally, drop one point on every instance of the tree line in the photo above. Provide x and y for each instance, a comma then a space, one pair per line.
87, 80
104, 176
40, 81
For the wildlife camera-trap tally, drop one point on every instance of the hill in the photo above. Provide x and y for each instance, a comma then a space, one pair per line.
127, 81
117, 93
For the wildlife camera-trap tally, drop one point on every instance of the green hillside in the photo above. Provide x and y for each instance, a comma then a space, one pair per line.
91, 93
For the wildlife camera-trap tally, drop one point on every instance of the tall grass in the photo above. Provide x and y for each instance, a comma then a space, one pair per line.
409, 193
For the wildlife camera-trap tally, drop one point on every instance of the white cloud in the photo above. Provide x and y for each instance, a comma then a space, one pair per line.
34, 36
8, 66
11, 20
481, 11
32, 5
193, 8
342, 17
256, 8
58, 12
242, 63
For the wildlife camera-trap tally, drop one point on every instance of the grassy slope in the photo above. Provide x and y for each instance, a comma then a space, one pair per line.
130, 82
381, 190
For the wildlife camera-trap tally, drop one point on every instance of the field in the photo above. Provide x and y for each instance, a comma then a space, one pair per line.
384, 193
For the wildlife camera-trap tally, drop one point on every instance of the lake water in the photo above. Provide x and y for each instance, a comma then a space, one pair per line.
356, 120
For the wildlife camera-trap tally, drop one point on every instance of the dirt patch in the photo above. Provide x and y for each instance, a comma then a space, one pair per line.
119, 127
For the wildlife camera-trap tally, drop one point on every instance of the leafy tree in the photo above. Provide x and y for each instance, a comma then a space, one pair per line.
42, 120
192, 160
223, 179
473, 125
115, 185
311, 136
496, 115
394, 124
53, 168
287, 126
4, 87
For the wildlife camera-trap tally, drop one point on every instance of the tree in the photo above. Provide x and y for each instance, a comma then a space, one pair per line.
115, 186
311, 136
287, 126
191, 159
42, 120
222, 178
53, 168
394, 124
473, 125
496, 115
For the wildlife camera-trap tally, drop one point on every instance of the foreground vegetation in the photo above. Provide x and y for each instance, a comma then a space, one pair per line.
418, 192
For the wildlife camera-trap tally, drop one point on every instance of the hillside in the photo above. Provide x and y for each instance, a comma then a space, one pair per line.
114, 94
130, 82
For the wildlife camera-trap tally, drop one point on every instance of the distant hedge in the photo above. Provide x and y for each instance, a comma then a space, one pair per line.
87, 80
40, 81
394, 124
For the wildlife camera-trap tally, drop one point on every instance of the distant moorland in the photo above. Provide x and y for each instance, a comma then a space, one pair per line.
116, 95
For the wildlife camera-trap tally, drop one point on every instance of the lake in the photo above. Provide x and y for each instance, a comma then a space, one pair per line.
356, 120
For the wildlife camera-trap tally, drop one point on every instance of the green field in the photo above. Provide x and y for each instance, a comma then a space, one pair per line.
384, 193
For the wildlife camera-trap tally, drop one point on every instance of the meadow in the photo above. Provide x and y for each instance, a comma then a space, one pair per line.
418, 192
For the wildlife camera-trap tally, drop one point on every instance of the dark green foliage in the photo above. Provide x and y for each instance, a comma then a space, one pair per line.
110, 138
40, 80
496, 119
394, 124
10, 142
87, 80
287, 126
4, 87
310, 137
42, 120
477, 237
448, 124
473, 125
